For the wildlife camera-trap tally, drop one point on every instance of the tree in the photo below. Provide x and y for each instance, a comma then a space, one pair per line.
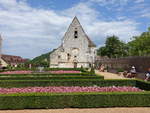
42, 60
113, 48
102, 51
140, 45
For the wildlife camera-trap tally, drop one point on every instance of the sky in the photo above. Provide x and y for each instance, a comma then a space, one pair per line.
30, 28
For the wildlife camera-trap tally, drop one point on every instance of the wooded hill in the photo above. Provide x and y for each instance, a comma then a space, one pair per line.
42, 60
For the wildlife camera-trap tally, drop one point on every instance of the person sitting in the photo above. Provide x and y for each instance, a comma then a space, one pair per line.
132, 73
147, 75
102, 67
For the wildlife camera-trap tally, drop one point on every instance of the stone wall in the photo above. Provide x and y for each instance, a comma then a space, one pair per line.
141, 63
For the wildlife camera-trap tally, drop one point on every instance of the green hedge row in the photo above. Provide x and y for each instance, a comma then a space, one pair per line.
143, 85
49, 77
51, 74
69, 82
74, 100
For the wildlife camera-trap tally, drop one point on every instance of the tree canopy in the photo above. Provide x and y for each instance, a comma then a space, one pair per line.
139, 46
42, 60
113, 48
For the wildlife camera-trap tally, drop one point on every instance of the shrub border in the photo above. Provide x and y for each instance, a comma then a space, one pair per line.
69, 82
74, 100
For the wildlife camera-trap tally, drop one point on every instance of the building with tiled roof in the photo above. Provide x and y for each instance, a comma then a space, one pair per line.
11, 60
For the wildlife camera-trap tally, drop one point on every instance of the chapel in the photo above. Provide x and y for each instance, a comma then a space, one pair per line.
76, 49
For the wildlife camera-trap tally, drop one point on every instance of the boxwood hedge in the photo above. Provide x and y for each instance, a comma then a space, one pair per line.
74, 100
143, 85
49, 69
68, 82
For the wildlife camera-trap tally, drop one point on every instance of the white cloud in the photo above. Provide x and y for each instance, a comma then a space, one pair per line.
98, 28
110, 2
139, 1
30, 32
123, 29
145, 12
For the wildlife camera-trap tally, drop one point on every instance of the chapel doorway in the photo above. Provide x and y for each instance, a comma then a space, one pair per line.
75, 64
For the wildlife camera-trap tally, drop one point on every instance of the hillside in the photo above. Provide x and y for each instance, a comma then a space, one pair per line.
42, 60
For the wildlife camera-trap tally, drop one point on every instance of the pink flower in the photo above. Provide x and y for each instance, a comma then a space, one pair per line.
62, 89
17, 72
62, 71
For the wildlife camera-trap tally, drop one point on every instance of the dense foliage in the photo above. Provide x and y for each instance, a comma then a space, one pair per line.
113, 48
139, 46
42, 60
66, 82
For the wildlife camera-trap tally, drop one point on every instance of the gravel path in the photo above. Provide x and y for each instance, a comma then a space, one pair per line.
97, 110
108, 75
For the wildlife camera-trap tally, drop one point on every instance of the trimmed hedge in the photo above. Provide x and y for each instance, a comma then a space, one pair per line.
69, 82
74, 100
49, 77
143, 85
50, 74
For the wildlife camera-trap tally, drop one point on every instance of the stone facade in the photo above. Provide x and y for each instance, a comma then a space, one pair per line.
76, 49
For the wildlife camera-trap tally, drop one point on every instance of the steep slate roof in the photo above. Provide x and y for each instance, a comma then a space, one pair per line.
13, 59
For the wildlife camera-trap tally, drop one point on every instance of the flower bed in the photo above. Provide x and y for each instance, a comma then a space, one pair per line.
62, 71
52, 72
62, 89
16, 72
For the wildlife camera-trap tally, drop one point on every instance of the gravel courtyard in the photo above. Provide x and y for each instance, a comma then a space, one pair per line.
108, 75
98, 110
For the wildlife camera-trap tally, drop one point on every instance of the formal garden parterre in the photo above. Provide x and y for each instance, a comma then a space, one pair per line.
81, 89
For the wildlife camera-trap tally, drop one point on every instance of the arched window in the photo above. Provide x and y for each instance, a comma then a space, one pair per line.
75, 34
